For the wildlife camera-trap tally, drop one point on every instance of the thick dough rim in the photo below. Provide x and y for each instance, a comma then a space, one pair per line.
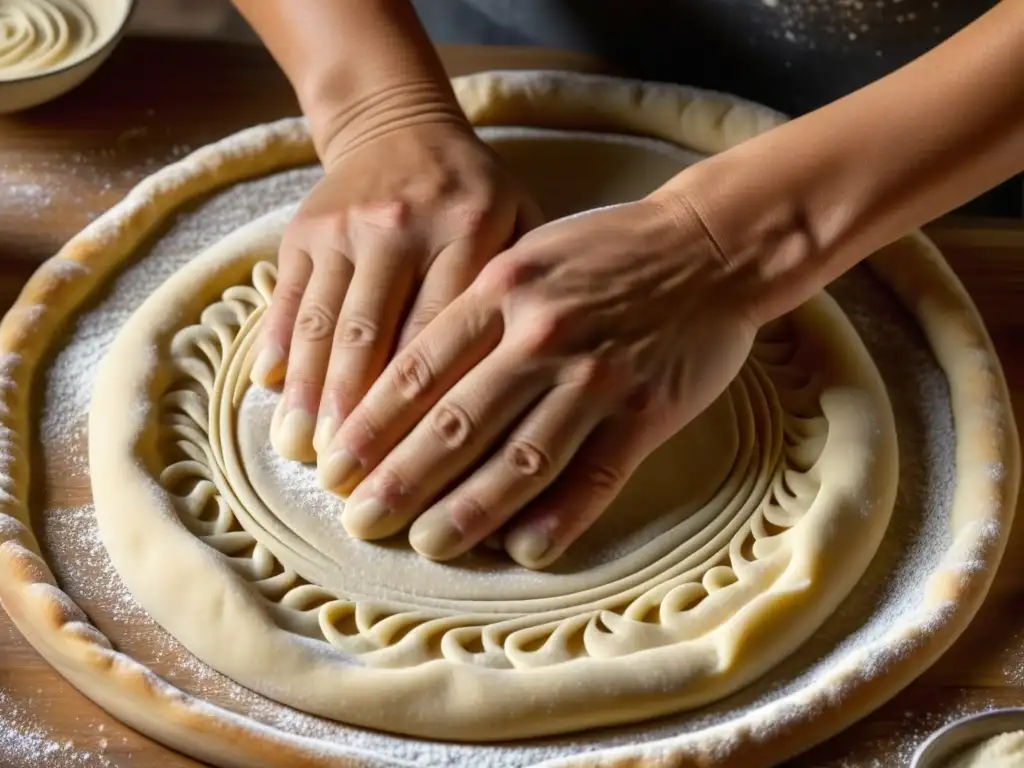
988, 462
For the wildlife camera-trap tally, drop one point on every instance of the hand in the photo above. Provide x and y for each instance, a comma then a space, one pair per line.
400, 224
571, 357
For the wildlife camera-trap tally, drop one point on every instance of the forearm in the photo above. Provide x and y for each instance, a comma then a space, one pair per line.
358, 66
796, 207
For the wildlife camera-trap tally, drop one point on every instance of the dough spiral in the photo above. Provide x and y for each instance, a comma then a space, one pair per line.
39, 35
718, 554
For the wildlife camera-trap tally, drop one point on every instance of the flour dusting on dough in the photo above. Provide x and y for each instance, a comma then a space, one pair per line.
297, 481
81, 564
910, 551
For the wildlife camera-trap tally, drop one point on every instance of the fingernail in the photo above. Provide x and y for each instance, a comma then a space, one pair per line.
291, 433
435, 539
269, 367
326, 428
529, 547
363, 520
336, 470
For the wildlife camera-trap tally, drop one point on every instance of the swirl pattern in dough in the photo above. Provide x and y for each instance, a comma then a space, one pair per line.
39, 35
728, 548
729, 536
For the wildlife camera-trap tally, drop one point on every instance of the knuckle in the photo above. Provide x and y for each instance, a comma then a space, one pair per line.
422, 316
315, 322
330, 231
302, 381
473, 216
311, 227
599, 373
544, 331
391, 487
357, 331
361, 431
452, 425
295, 238
603, 477
383, 216
505, 275
527, 459
468, 515
591, 371
288, 292
640, 399
412, 373
342, 390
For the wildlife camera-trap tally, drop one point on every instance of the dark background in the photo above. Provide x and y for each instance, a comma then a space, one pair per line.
792, 55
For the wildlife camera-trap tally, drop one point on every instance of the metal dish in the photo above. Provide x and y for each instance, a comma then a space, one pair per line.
946, 742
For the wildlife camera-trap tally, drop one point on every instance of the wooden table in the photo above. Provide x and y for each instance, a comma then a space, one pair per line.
65, 163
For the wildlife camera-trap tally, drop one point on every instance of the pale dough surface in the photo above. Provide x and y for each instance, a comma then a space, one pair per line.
1003, 751
41, 36
729, 547
969, 535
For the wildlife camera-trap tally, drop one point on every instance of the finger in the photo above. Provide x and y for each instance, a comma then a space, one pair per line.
364, 336
455, 268
451, 273
293, 271
413, 382
534, 455
295, 417
457, 432
580, 495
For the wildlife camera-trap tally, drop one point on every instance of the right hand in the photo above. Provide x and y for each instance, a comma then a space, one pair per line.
573, 356
401, 223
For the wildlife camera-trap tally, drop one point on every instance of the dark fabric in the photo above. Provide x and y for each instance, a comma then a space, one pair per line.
793, 55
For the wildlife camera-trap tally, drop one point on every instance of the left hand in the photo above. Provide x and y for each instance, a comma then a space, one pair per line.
539, 390
401, 222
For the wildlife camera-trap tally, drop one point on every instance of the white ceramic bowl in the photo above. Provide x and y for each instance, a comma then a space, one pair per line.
20, 91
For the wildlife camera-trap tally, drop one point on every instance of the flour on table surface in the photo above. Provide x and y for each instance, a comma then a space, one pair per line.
1013, 667
25, 742
896, 749
802, 22
70, 377
70, 181
889, 595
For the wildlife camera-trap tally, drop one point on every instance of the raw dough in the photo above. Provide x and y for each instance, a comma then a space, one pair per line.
952, 572
1003, 751
728, 549
37, 36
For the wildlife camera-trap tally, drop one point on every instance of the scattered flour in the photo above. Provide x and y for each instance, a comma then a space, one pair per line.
297, 481
802, 22
61, 182
1013, 664
26, 743
27, 195
917, 726
81, 563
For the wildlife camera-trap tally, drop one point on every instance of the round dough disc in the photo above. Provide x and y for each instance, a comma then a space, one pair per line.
730, 546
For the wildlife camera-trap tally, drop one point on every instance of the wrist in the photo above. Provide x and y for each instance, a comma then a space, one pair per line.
344, 118
356, 66
797, 206
761, 235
